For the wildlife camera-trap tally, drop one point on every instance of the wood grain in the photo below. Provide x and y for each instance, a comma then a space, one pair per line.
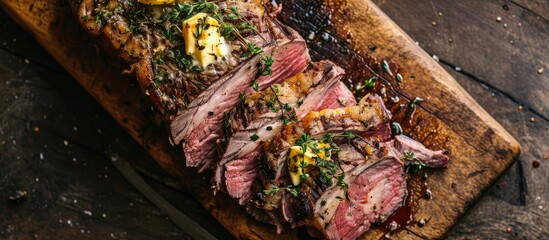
520, 36
470, 134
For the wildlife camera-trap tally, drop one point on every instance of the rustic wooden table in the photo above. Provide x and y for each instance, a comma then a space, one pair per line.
54, 138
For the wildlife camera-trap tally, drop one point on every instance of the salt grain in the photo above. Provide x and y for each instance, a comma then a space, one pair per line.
498, 19
311, 36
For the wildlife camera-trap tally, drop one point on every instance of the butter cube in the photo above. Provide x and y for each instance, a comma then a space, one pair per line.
203, 41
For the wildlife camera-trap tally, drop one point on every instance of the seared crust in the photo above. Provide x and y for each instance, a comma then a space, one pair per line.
136, 34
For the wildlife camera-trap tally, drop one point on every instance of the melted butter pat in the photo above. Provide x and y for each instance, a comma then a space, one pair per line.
300, 162
203, 41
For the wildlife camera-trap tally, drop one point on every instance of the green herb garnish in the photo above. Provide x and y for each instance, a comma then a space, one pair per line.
254, 137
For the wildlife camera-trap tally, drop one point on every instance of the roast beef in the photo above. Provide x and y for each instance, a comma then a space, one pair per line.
199, 125
354, 179
361, 118
273, 171
413, 152
149, 40
373, 191
297, 96
261, 116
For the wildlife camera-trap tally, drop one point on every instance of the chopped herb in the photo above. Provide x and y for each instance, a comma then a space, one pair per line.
413, 104
343, 102
287, 120
417, 100
322, 202
396, 128
300, 102
327, 138
399, 78
325, 178
370, 82
420, 165
255, 85
381, 217
252, 50
86, 18
412, 76
349, 135
269, 128
287, 107
254, 137
408, 156
271, 191
265, 69
349, 214
235, 11
303, 177
275, 88
271, 104
303, 139
199, 28
291, 189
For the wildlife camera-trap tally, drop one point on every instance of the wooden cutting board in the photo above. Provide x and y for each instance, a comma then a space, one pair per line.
480, 149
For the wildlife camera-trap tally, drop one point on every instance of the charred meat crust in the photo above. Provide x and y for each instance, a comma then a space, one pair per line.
134, 32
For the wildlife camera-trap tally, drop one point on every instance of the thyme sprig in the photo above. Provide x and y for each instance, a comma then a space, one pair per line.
291, 189
409, 156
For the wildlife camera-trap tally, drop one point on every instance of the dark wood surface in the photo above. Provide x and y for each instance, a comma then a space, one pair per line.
34, 124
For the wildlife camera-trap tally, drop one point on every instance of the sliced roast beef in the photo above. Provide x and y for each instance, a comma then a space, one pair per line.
341, 96
199, 125
361, 118
261, 116
373, 191
361, 150
412, 152
273, 168
149, 40
304, 92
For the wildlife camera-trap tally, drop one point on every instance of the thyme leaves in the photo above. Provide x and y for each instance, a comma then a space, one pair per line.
291, 189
